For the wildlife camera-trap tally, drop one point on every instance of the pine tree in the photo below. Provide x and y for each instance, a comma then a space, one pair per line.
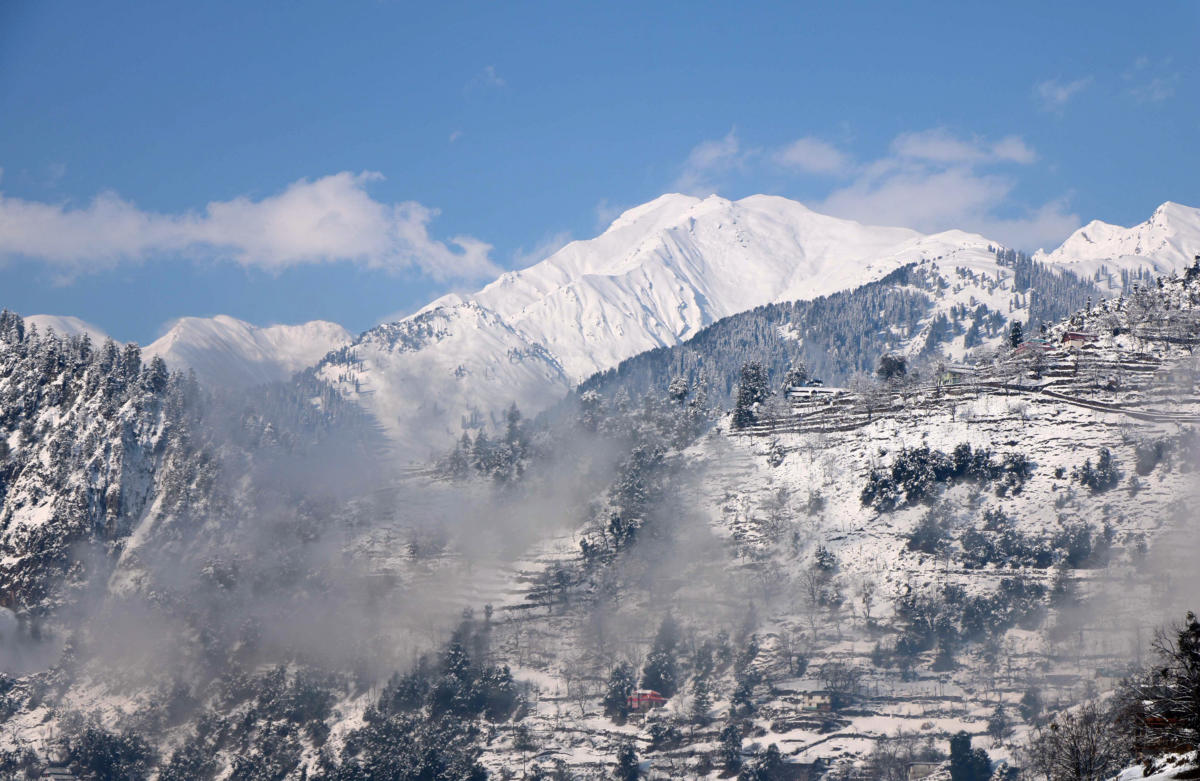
730, 748
998, 725
967, 764
616, 694
701, 701
627, 763
752, 391
661, 672
1016, 334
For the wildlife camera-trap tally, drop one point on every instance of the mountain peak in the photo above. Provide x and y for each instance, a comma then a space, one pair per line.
666, 205
234, 353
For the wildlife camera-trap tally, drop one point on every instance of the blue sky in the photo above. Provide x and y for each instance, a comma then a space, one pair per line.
349, 161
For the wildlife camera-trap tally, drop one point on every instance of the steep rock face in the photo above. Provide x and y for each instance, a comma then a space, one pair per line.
1167, 242
657, 276
232, 353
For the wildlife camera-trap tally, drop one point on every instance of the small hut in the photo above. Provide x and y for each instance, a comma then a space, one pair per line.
644, 700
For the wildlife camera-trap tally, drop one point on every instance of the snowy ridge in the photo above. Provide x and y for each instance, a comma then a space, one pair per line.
65, 325
225, 351
1167, 242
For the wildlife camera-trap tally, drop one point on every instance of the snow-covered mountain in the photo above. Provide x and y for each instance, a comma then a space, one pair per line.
660, 273
232, 353
1167, 242
65, 325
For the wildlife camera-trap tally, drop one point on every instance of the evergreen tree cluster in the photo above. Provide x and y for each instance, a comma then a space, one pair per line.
915, 474
947, 619
1103, 476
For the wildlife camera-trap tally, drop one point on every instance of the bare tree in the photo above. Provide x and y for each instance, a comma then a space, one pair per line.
1079, 745
1161, 708
865, 593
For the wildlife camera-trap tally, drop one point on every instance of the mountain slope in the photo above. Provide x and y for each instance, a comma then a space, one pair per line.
659, 274
925, 311
232, 353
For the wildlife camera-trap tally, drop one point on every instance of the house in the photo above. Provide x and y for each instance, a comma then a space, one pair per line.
643, 700
816, 701
1075, 340
59, 772
957, 375
805, 394
1032, 347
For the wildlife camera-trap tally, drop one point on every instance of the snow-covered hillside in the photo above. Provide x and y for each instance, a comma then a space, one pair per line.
232, 353
1167, 242
659, 274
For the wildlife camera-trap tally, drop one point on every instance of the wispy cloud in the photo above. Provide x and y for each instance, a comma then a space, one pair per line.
933, 180
1156, 90
542, 250
328, 220
606, 212
1151, 82
1054, 94
707, 162
812, 155
455, 135
938, 145
55, 173
487, 77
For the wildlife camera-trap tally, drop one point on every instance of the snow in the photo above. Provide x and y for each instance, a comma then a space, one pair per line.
659, 274
65, 325
233, 353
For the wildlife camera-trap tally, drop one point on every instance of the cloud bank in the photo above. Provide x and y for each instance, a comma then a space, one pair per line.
328, 220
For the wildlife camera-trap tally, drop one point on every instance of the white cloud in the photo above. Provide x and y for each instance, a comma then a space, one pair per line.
455, 135
812, 155
327, 220
706, 162
930, 180
940, 146
934, 181
1055, 94
1156, 89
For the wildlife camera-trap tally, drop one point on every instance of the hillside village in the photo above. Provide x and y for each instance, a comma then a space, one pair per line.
1051, 574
